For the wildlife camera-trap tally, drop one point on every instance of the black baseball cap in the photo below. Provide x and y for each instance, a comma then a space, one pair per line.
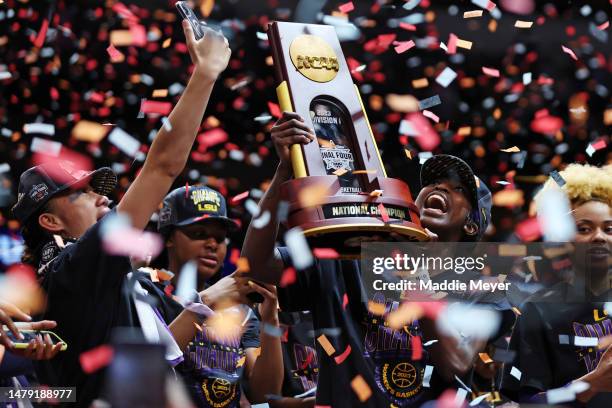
39, 184
192, 204
445, 166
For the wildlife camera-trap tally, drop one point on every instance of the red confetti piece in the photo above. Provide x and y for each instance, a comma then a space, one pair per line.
428, 139
325, 253
155, 107
452, 44
211, 138
346, 7
42, 34
289, 276
234, 256
274, 110
403, 46
345, 301
115, 54
168, 290
491, 5
407, 26
340, 359
186, 190
238, 198
547, 125
308, 360
383, 213
125, 13
417, 348
96, 358
139, 35
604, 26
491, 72
569, 52
528, 230
598, 145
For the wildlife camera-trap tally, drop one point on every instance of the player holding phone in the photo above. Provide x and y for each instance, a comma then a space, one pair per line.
195, 227
83, 283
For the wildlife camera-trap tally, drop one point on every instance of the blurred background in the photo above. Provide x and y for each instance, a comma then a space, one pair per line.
64, 94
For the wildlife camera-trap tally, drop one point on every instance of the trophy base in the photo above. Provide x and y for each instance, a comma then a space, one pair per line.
347, 238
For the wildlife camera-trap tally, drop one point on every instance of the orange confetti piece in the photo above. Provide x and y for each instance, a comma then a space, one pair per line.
88, 131
464, 44
241, 361
513, 149
160, 93
339, 172
364, 171
327, 346
243, 264
361, 388
376, 308
471, 14
420, 83
376, 193
166, 42
485, 358
313, 195
523, 24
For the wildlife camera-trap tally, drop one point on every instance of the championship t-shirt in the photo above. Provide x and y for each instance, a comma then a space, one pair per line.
299, 354
361, 344
544, 341
212, 368
85, 296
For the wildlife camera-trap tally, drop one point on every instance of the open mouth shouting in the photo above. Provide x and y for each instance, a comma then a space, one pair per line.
436, 204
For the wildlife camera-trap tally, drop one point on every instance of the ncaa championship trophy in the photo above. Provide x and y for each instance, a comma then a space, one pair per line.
359, 202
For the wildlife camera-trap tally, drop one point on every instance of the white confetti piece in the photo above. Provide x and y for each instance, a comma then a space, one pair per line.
523, 24
553, 209
50, 147
564, 339
460, 397
429, 343
5, 167
586, 341
479, 399
446, 77
262, 220
407, 129
42, 128
188, 281
559, 395
516, 373
503, 183
5, 75
167, 124
431, 115
590, 150
410, 4
427, 375
424, 156
526, 78
470, 321
429, 102
298, 248
263, 118
124, 142
252, 207
262, 36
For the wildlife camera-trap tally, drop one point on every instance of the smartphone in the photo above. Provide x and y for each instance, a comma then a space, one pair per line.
30, 335
187, 13
137, 375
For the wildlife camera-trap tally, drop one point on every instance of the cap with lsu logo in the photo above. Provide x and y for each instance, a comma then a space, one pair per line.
39, 184
189, 205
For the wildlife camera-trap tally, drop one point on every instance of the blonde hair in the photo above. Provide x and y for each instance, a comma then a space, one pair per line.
583, 183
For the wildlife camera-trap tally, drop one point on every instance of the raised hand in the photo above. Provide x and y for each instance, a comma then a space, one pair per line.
210, 54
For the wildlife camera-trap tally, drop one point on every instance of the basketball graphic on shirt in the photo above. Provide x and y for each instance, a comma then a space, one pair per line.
219, 392
403, 375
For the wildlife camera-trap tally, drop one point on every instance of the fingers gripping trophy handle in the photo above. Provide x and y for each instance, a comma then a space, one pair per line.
297, 158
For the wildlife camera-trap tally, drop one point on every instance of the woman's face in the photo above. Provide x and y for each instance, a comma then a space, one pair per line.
594, 232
